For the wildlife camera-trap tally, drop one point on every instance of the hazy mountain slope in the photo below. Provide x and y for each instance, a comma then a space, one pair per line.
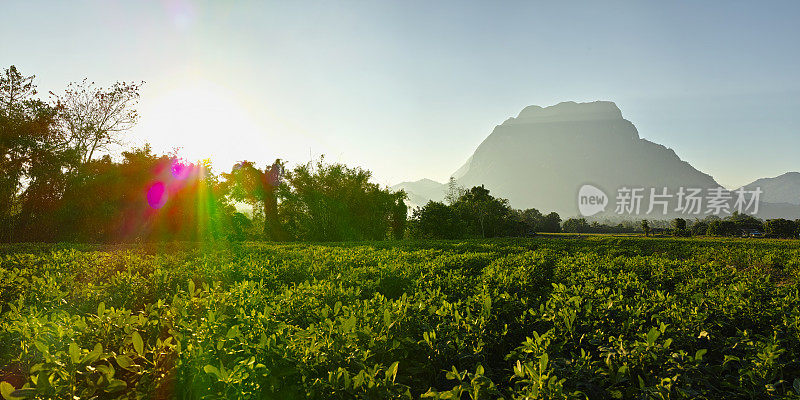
542, 157
780, 189
421, 191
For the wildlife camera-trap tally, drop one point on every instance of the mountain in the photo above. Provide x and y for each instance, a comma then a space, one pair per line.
541, 158
544, 157
780, 189
421, 191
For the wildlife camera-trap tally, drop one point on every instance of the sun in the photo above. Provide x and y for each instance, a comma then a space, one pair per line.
201, 118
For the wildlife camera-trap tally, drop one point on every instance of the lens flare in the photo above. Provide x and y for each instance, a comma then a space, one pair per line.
157, 195
180, 170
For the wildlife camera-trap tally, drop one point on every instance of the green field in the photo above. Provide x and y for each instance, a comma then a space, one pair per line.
590, 317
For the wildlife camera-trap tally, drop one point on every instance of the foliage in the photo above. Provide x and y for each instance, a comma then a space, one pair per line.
576, 225
333, 202
32, 153
782, 228
247, 183
538, 222
478, 214
517, 318
436, 220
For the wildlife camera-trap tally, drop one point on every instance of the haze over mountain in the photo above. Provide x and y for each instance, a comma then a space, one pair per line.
780, 189
540, 159
421, 191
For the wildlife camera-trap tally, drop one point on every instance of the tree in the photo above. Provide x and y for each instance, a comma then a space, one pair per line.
552, 223
454, 191
724, 227
332, 202
143, 196
436, 220
699, 228
533, 220
781, 228
32, 151
399, 216
646, 227
679, 227
94, 117
576, 225
247, 183
744, 221
15, 89
485, 215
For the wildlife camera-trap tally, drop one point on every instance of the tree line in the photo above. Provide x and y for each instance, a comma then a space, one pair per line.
58, 181
737, 225
733, 225
475, 213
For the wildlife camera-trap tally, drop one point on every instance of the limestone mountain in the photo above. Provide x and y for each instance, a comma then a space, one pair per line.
541, 157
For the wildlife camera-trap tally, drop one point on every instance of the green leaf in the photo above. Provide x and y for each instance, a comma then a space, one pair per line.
124, 361
191, 287
43, 347
448, 395
233, 332
387, 317
24, 393
138, 343
106, 370
699, 355
101, 309
349, 324
431, 393
652, 336
210, 369
391, 373
74, 353
6, 389
93, 355
518, 370
543, 360
116, 385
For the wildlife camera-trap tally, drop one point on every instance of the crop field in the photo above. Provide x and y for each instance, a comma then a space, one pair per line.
591, 317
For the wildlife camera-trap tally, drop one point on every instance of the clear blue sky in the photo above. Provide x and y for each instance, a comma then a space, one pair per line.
408, 89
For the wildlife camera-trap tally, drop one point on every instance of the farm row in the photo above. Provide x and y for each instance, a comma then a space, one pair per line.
534, 318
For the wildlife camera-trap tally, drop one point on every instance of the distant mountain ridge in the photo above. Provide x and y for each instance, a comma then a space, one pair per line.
421, 191
780, 189
540, 158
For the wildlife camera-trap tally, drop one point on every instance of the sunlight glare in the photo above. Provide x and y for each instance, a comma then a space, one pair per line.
199, 118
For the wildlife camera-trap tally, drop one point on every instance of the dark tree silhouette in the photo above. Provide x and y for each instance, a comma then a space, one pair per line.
32, 152
259, 187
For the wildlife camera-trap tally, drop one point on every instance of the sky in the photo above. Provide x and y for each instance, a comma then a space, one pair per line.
409, 89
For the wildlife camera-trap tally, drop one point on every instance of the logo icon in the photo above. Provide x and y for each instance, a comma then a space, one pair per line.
591, 200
